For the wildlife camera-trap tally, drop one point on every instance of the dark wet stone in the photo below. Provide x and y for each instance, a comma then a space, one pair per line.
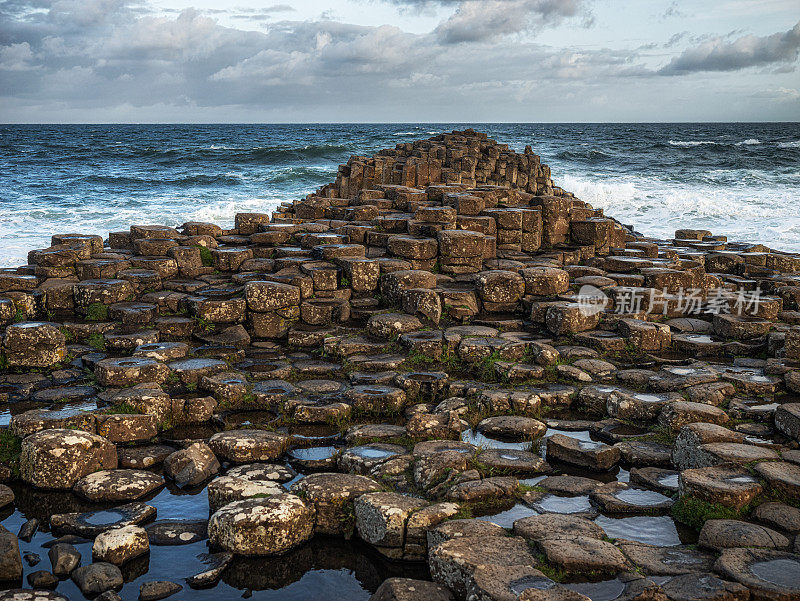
216, 562
64, 558
28, 529
92, 523
10, 558
97, 578
158, 589
42, 579
177, 532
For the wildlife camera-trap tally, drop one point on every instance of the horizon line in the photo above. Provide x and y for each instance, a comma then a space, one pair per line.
5, 124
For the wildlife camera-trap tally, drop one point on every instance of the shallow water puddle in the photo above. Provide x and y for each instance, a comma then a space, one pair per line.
506, 519
313, 453
659, 531
481, 440
641, 497
605, 590
556, 504
782, 572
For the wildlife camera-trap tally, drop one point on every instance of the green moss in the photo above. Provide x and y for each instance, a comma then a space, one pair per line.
191, 387
552, 572
416, 360
96, 341
20, 315
125, 408
695, 512
485, 368
205, 256
10, 449
97, 312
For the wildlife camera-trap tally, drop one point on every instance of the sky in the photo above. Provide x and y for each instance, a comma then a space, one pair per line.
166, 61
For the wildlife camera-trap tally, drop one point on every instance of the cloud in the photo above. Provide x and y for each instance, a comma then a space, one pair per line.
673, 11
96, 59
717, 54
482, 20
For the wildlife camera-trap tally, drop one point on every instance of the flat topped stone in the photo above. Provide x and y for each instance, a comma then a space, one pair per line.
511, 461
177, 532
727, 485
255, 472
703, 586
589, 454
453, 562
332, 496
583, 554
244, 446
781, 475
725, 534
767, 573
227, 489
552, 525
621, 497
666, 561
361, 459
512, 427
117, 485
57, 459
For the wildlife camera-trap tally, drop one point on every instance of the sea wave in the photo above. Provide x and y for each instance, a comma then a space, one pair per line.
190, 180
749, 142
747, 213
691, 143
589, 153
792, 144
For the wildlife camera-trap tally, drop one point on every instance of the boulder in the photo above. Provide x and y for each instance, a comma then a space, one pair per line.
332, 496
120, 544
57, 459
108, 486
10, 558
97, 578
191, 466
270, 526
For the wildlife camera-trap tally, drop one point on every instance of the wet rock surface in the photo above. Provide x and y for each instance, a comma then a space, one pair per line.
403, 386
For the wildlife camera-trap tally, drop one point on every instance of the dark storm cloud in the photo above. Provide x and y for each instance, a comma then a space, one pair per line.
718, 54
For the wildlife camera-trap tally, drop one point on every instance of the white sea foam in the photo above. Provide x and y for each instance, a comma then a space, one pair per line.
33, 228
792, 144
745, 213
749, 142
690, 143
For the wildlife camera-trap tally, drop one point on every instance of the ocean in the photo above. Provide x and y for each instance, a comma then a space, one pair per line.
738, 179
